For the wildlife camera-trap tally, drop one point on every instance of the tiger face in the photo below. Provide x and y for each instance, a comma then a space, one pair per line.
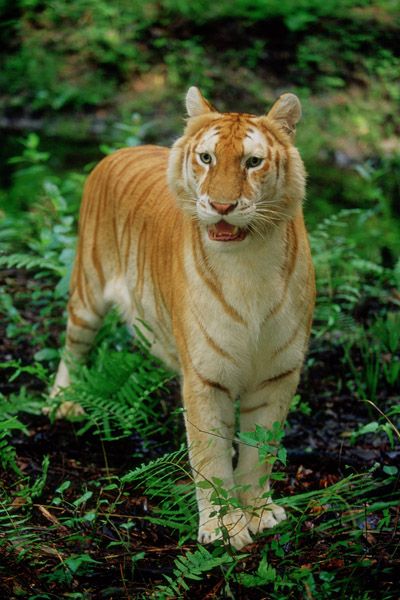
238, 175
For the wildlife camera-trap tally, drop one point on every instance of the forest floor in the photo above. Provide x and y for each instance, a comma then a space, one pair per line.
76, 556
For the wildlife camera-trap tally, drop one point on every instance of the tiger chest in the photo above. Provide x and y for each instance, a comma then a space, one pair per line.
231, 331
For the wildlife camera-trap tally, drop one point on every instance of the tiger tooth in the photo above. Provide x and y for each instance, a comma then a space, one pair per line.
235, 230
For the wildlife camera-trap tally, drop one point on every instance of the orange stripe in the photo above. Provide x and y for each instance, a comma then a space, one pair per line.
73, 340
135, 182
187, 362
127, 228
293, 248
212, 286
270, 139
78, 322
289, 264
297, 328
274, 380
115, 175
140, 262
145, 192
95, 254
212, 343
287, 162
277, 162
79, 271
117, 244
213, 384
89, 297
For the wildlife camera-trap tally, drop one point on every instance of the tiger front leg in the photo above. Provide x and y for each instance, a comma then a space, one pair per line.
265, 406
209, 419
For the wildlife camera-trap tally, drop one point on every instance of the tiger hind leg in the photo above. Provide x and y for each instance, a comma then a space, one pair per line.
84, 321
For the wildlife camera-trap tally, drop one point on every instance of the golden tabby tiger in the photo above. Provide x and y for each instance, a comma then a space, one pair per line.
206, 243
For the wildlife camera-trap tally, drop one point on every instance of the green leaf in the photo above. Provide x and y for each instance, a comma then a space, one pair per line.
82, 499
390, 470
204, 485
64, 486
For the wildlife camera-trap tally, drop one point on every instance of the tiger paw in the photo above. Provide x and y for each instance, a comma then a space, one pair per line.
265, 517
69, 409
233, 524
66, 410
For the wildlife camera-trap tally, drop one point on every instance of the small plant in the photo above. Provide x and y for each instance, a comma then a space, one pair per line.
268, 442
192, 566
373, 356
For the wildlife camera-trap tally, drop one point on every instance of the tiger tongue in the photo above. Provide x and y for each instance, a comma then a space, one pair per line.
225, 232
224, 227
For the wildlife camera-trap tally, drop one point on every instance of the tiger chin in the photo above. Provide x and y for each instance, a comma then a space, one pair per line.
206, 243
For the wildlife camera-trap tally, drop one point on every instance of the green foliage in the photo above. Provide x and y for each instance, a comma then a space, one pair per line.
73, 566
61, 56
168, 479
120, 393
268, 442
47, 227
343, 273
264, 575
192, 566
16, 535
11, 408
378, 356
8, 425
52, 69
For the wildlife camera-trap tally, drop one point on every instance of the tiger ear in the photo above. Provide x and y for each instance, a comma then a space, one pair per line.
286, 112
196, 104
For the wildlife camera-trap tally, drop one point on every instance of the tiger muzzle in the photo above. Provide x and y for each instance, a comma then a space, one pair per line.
224, 208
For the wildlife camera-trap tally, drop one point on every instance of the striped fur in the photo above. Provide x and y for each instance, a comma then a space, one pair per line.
206, 243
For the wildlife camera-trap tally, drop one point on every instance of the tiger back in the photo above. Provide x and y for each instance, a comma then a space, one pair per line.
206, 244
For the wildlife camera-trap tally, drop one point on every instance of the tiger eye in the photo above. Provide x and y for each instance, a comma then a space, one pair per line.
205, 158
253, 161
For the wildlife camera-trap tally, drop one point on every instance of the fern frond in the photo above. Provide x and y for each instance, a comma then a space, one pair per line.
27, 261
167, 465
16, 536
7, 451
192, 566
168, 479
118, 394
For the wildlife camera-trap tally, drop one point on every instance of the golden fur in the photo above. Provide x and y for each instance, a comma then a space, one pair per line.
206, 243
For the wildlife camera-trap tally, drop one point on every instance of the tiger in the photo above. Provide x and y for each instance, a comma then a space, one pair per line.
205, 243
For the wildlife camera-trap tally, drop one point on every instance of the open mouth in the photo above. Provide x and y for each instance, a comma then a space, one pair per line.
225, 232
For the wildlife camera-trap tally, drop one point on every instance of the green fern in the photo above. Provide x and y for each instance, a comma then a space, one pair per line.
169, 480
10, 408
170, 463
192, 566
17, 537
8, 456
119, 394
28, 261
343, 275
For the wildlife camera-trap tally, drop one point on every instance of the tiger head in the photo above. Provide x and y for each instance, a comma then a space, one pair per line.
238, 175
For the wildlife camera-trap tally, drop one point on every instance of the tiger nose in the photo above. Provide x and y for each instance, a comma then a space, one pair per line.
223, 208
